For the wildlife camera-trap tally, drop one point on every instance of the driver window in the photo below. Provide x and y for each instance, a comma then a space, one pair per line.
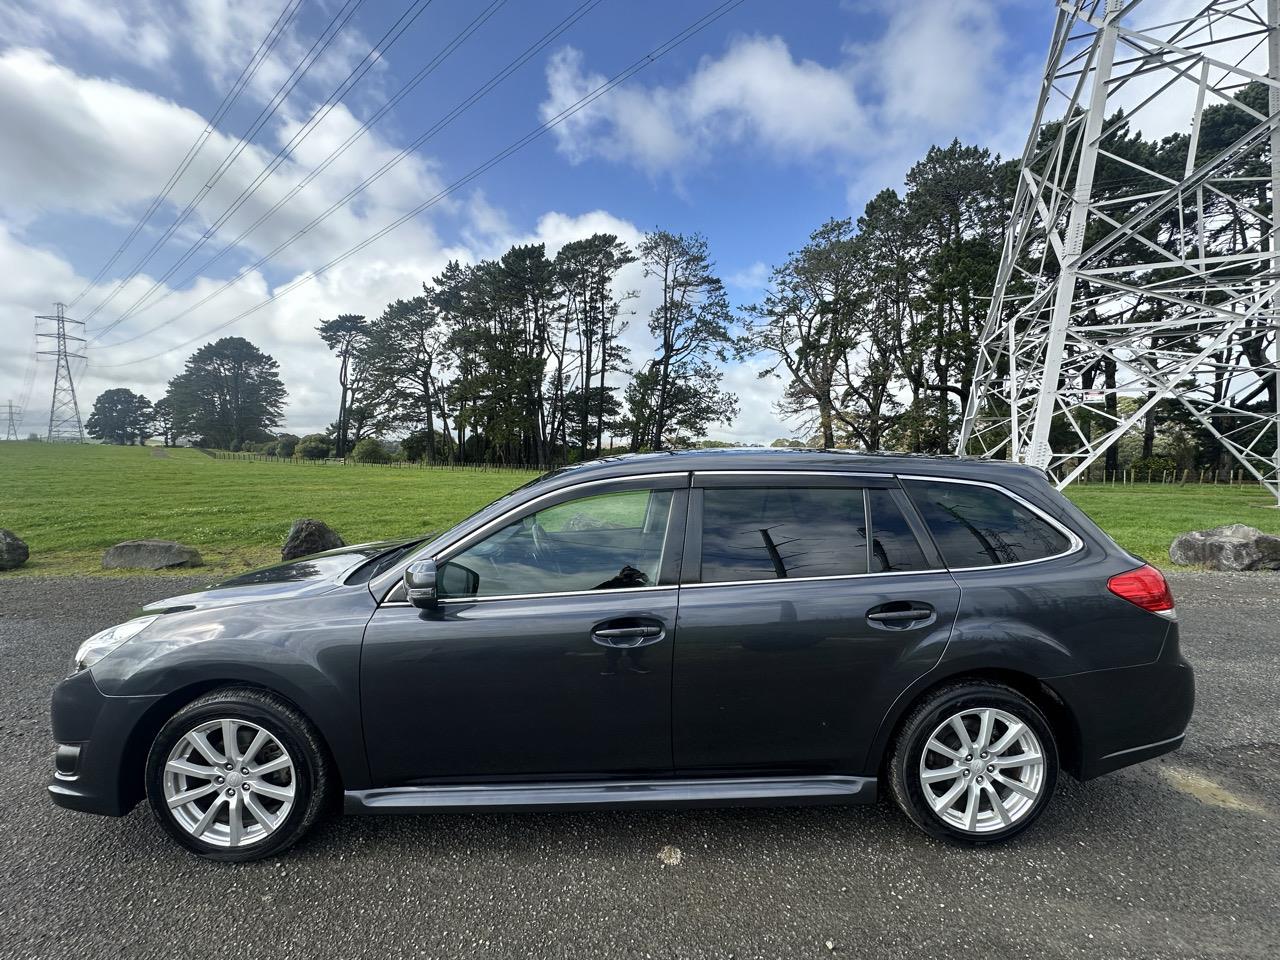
605, 542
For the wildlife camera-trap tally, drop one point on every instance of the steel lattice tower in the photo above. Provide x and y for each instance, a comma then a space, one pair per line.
15, 417
1131, 277
64, 411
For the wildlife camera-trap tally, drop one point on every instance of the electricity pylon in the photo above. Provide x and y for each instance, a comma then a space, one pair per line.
1130, 276
64, 411
15, 417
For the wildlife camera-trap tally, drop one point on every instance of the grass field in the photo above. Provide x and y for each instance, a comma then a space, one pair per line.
72, 502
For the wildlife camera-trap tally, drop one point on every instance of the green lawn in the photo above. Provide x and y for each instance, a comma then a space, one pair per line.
72, 502
1144, 519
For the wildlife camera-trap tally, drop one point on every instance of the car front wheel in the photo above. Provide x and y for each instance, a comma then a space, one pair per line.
237, 775
974, 762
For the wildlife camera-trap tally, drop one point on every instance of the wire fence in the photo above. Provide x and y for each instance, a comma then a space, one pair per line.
477, 466
1182, 478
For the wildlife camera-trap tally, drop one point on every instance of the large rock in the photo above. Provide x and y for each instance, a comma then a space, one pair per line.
1232, 547
150, 555
13, 551
309, 536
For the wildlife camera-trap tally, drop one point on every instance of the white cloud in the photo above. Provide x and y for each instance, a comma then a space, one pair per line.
140, 31
756, 93
99, 147
940, 69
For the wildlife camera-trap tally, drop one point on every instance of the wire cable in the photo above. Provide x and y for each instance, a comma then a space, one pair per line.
322, 42
602, 89
246, 75
384, 43
546, 40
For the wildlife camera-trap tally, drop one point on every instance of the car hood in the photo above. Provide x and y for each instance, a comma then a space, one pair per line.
316, 574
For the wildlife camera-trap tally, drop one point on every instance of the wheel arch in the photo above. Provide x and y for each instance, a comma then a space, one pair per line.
1062, 721
138, 744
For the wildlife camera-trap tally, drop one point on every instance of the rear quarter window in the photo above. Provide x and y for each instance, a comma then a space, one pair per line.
978, 526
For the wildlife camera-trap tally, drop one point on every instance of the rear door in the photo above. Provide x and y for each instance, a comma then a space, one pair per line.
808, 602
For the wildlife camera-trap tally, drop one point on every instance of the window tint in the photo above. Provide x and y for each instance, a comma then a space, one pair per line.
979, 527
767, 533
893, 545
603, 542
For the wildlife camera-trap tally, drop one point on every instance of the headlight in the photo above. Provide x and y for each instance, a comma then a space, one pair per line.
100, 644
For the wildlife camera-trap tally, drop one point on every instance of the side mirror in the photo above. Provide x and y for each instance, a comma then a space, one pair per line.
420, 583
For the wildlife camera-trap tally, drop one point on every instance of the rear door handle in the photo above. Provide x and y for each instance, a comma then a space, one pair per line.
900, 614
627, 636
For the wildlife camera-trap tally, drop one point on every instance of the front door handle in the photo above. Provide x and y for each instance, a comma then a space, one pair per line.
627, 634
900, 615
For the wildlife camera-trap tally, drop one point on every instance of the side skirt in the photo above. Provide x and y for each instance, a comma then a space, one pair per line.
640, 794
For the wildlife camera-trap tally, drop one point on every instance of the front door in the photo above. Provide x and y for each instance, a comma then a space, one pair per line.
813, 604
550, 653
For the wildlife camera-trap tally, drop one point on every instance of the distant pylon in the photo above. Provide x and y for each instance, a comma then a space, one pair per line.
1131, 279
64, 411
15, 417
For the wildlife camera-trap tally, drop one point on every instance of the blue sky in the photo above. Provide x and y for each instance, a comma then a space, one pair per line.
776, 117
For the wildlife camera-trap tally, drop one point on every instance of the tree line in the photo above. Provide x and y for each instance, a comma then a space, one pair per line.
871, 328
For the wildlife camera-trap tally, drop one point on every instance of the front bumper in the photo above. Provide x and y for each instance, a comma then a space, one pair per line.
1129, 714
98, 757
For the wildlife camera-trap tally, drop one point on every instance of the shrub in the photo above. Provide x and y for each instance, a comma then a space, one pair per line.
1156, 465
236, 446
370, 450
286, 445
314, 446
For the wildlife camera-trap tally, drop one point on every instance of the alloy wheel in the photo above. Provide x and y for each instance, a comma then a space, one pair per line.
982, 770
229, 782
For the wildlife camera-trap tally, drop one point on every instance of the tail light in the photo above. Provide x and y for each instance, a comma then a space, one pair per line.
1145, 587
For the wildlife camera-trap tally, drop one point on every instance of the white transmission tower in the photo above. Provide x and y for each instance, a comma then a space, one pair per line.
1135, 276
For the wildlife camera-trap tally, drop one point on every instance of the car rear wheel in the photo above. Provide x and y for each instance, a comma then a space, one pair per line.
237, 775
974, 762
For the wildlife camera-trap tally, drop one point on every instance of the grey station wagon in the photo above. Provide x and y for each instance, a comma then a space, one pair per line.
703, 628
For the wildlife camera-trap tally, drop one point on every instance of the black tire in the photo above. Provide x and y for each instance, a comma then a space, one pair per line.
904, 774
310, 775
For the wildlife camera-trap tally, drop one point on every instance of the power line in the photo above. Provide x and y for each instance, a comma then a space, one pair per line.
466, 104
379, 48
326, 37
549, 37
621, 77
246, 74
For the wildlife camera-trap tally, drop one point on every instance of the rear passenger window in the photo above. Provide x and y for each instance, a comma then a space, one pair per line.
980, 527
768, 533
893, 545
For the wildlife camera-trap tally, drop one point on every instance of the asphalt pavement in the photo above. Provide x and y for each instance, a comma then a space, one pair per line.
1178, 857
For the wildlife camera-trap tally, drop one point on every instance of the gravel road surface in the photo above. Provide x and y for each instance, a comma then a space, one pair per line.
1179, 857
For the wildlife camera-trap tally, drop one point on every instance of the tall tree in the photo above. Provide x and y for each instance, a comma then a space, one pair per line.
676, 395
343, 335
229, 392
162, 421
120, 416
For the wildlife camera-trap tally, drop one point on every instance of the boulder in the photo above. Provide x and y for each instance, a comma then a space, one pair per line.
1231, 547
13, 551
308, 536
150, 555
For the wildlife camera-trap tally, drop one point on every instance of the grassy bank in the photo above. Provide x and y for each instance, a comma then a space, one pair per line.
72, 502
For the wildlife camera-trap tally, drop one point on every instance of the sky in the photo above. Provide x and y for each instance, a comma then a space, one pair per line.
774, 118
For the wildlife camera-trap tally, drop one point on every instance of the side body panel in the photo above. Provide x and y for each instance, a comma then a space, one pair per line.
306, 649
790, 676
517, 689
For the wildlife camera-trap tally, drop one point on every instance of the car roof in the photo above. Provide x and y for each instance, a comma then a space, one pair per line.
783, 459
